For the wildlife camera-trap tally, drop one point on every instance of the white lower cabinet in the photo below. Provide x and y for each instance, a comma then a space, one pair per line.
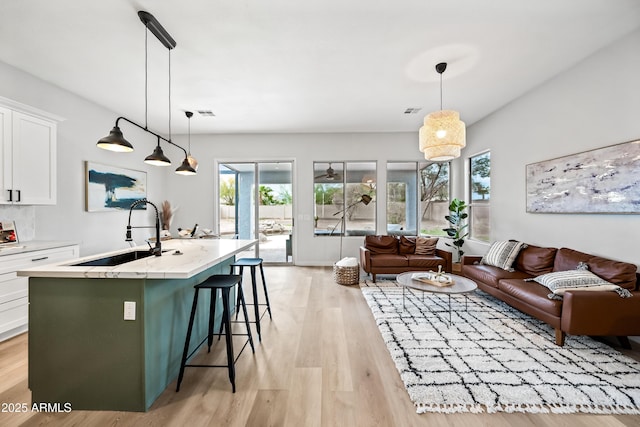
14, 290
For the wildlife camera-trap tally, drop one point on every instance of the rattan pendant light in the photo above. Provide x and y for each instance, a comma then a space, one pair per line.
443, 135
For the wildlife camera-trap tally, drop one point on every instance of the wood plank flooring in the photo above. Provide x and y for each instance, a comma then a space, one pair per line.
321, 362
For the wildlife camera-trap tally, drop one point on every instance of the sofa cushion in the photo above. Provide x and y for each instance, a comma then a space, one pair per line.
619, 273
426, 245
381, 244
502, 254
406, 245
490, 275
532, 294
389, 260
427, 262
535, 260
568, 259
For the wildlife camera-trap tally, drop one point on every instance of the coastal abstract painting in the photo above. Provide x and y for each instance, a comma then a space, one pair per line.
111, 187
605, 180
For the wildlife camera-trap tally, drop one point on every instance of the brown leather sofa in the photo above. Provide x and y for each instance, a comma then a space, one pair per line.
579, 312
396, 254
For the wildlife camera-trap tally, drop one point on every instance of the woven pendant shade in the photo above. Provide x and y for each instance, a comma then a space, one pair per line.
442, 136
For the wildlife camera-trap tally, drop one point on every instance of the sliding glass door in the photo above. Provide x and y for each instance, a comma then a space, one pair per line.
256, 201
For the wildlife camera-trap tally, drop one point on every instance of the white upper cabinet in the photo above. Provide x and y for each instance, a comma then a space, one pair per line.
28, 158
6, 153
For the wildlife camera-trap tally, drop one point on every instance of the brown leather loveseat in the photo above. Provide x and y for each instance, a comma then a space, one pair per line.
577, 312
397, 254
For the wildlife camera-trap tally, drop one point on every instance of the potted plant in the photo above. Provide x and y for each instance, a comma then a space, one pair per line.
457, 230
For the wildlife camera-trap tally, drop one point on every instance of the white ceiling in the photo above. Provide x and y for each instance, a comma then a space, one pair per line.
306, 66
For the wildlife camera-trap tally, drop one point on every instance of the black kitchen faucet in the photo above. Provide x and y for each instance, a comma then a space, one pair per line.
157, 250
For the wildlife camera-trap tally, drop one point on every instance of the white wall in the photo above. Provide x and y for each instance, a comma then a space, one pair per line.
77, 136
592, 105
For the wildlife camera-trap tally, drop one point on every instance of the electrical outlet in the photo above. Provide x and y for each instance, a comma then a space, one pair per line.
129, 310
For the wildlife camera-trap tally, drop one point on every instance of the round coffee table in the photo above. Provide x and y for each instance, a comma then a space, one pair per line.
461, 285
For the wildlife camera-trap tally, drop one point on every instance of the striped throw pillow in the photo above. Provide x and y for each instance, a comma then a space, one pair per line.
561, 281
502, 254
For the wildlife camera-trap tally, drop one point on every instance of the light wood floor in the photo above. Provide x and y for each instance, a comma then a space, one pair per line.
322, 362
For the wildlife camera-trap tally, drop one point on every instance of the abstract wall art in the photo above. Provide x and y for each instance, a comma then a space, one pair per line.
111, 188
601, 181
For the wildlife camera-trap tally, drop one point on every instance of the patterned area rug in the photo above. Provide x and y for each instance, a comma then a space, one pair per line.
493, 358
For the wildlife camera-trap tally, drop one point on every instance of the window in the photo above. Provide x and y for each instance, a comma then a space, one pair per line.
480, 189
434, 198
344, 194
417, 198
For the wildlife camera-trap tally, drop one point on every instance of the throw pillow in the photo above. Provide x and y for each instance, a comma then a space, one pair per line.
426, 245
503, 254
407, 245
561, 281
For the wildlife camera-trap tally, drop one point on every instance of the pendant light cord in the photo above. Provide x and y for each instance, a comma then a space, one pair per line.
169, 94
440, 91
146, 80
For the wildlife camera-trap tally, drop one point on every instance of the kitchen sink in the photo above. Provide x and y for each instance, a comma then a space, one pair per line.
115, 259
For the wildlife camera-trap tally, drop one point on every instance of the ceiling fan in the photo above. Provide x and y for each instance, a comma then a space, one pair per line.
329, 174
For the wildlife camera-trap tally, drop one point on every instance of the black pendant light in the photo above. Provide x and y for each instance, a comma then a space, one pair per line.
157, 158
115, 141
185, 168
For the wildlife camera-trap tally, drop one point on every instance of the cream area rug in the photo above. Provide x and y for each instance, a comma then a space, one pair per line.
493, 358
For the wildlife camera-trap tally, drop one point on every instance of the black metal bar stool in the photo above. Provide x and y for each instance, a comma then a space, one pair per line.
224, 283
253, 263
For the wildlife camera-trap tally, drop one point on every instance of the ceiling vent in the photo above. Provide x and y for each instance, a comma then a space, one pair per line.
412, 110
206, 113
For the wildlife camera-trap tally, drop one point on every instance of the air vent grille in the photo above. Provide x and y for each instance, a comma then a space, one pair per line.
412, 110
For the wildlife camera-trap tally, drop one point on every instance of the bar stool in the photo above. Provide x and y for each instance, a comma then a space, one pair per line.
224, 283
253, 263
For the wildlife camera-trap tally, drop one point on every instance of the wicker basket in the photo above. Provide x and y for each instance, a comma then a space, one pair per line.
346, 275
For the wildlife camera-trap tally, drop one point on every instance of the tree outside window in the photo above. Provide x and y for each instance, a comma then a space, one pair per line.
434, 198
480, 189
228, 191
417, 198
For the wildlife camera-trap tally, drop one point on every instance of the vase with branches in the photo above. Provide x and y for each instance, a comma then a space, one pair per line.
166, 214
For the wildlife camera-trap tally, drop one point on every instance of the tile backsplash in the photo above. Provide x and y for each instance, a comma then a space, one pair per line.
24, 218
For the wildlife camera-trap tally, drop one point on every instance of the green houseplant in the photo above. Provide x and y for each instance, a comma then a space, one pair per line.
457, 229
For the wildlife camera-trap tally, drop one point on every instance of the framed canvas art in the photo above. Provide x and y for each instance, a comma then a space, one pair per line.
604, 181
111, 188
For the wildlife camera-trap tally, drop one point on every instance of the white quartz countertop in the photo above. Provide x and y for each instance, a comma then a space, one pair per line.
196, 256
33, 245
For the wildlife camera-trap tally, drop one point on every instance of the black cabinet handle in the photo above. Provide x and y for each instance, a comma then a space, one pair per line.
19, 195
39, 259
10, 195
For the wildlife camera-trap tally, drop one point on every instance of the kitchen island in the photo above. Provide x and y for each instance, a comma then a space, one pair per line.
83, 352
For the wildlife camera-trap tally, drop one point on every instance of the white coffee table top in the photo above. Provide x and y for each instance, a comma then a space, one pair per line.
461, 284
